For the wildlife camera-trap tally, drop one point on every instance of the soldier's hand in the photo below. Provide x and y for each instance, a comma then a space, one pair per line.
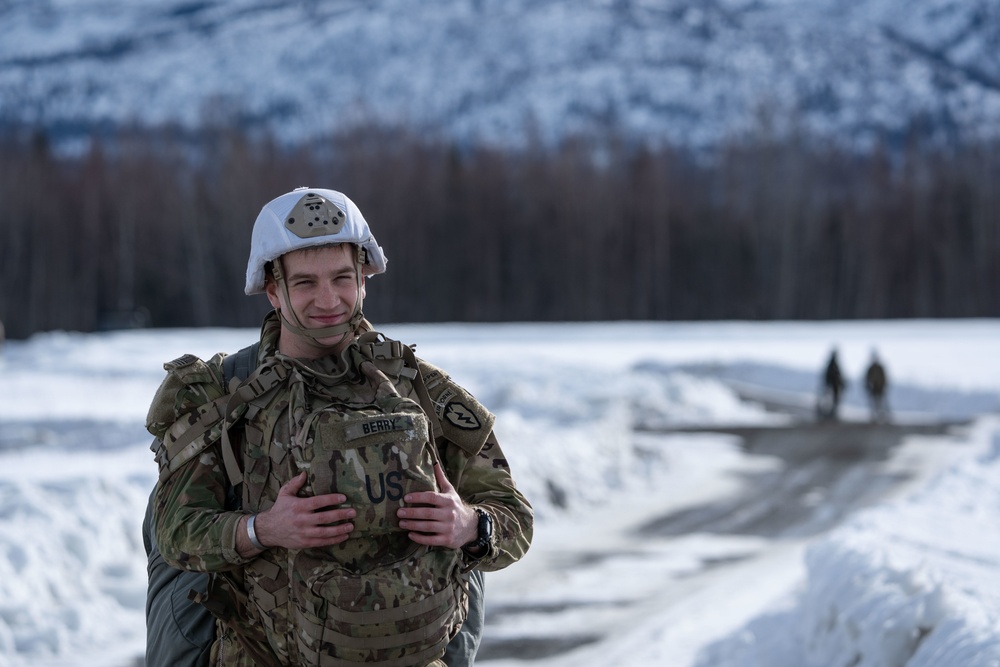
303, 523
438, 518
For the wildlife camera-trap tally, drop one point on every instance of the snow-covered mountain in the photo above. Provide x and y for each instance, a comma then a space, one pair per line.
687, 71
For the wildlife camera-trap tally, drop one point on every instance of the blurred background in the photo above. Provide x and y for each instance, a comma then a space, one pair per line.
528, 160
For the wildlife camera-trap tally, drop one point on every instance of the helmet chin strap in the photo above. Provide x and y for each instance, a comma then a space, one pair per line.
342, 330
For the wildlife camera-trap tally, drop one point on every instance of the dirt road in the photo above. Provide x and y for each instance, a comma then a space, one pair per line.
830, 470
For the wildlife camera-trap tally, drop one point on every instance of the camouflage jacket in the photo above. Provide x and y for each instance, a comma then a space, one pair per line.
196, 525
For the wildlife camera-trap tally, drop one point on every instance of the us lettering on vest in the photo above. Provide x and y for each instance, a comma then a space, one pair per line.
372, 459
390, 486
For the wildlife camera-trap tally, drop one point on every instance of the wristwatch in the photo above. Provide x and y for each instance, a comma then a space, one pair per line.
485, 528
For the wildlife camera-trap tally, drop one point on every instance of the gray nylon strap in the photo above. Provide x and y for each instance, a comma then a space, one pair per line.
237, 367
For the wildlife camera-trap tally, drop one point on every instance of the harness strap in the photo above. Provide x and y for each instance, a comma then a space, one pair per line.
263, 380
423, 396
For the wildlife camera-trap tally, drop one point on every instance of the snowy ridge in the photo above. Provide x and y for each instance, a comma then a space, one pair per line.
684, 71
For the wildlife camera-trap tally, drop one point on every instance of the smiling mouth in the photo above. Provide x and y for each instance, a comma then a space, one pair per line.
327, 320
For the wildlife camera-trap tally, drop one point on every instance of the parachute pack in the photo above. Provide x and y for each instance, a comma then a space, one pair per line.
348, 604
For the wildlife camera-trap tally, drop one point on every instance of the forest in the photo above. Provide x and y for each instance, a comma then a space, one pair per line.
151, 227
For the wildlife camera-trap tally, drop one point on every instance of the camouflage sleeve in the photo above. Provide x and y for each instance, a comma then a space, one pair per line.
485, 481
476, 465
194, 531
193, 528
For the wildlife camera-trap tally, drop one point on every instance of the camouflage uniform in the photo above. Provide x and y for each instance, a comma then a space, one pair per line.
196, 528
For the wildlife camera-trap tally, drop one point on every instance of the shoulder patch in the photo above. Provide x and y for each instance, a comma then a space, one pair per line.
457, 412
180, 362
464, 420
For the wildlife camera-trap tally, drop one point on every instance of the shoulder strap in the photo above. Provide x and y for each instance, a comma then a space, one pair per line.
421, 388
240, 364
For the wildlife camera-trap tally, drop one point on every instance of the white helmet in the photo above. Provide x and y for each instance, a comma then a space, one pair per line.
308, 217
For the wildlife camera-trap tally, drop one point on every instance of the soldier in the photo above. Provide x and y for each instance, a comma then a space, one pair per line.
341, 495
876, 383
833, 385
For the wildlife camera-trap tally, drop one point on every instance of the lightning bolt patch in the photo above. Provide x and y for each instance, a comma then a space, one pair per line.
461, 416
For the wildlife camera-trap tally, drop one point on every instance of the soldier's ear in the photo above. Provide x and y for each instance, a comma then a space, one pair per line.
271, 290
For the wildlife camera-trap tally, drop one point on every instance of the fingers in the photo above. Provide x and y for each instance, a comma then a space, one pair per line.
420, 513
298, 528
432, 517
332, 515
441, 531
443, 523
430, 498
323, 536
293, 486
423, 519
307, 514
442, 479
324, 502
301, 523
434, 498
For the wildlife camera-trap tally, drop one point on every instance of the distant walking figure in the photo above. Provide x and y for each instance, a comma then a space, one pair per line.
833, 386
876, 383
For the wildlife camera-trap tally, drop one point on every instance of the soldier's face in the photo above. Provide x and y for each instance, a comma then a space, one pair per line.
322, 291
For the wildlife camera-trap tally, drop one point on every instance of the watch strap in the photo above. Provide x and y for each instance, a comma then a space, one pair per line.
485, 532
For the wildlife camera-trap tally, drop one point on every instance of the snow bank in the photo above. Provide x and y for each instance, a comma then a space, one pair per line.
72, 565
915, 583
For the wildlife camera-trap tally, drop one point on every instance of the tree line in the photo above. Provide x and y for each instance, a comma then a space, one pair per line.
153, 227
